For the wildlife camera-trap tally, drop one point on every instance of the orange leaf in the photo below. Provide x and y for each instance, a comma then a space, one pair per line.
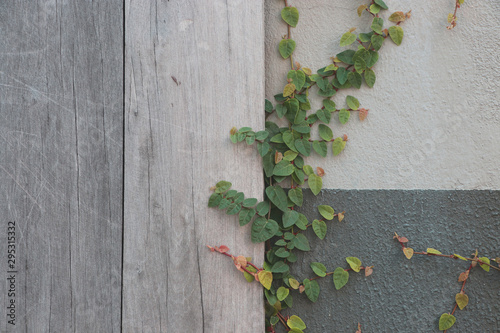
211, 248
403, 239
368, 271
363, 113
233, 131
240, 261
463, 276
408, 251
278, 157
302, 288
320, 171
359, 328
340, 216
344, 137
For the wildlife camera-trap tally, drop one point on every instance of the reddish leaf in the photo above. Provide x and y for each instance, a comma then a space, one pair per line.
240, 261
363, 113
369, 271
222, 249
211, 248
320, 171
359, 328
278, 157
463, 276
302, 288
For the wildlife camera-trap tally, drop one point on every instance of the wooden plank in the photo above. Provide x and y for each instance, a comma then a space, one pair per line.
61, 130
193, 69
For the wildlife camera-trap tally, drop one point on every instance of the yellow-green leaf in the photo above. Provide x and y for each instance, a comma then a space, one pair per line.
360, 9
408, 251
347, 39
462, 300
433, 251
354, 262
289, 90
397, 34
266, 279
397, 17
282, 293
295, 322
293, 283
446, 321
459, 256
483, 266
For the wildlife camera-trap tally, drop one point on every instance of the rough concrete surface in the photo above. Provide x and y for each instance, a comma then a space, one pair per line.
434, 119
402, 295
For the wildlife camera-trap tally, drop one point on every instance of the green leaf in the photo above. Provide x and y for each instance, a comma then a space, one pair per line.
278, 138
344, 116
282, 293
249, 202
370, 77
283, 168
302, 128
289, 218
286, 47
354, 262
347, 39
319, 269
250, 139
246, 216
311, 289
296, 196
377, 25
282, 252
359, 65
290, 15
295, 322
303, 146
263, 229
326, 211
214, 200
280, 110
222, 186
298, 78
341, 76
355, 79
268, 164
278, 197
381, 4
261, 135
446, 321
268, 106
372, 59
396, 33
325, 132
274, 320
346, 56
320, 147
340, 277
365, 37
280, 267
324, 115
319, 228
263, 148
289, 140
300, 241
224, 203
337, 146
352, 102
266, 279
239, 197
302, 222
375, 9
487, 261
377, 41
315, 183
329, 105
262, 208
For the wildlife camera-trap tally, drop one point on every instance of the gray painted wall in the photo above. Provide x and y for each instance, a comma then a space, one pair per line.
402, 295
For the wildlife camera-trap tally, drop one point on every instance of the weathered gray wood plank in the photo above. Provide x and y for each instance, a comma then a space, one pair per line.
61, 130
193, 69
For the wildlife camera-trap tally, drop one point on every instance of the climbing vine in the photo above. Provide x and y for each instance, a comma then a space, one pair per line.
287, 140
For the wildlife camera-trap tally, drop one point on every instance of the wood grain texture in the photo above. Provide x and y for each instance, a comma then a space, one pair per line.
61, 130
193, 69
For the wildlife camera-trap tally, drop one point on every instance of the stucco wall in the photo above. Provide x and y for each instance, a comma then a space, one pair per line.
434, 120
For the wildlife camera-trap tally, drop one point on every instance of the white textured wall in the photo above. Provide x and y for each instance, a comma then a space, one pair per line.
434, 120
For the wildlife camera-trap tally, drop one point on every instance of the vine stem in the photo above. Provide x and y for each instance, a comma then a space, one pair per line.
461, 291
282, 320
227, 254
